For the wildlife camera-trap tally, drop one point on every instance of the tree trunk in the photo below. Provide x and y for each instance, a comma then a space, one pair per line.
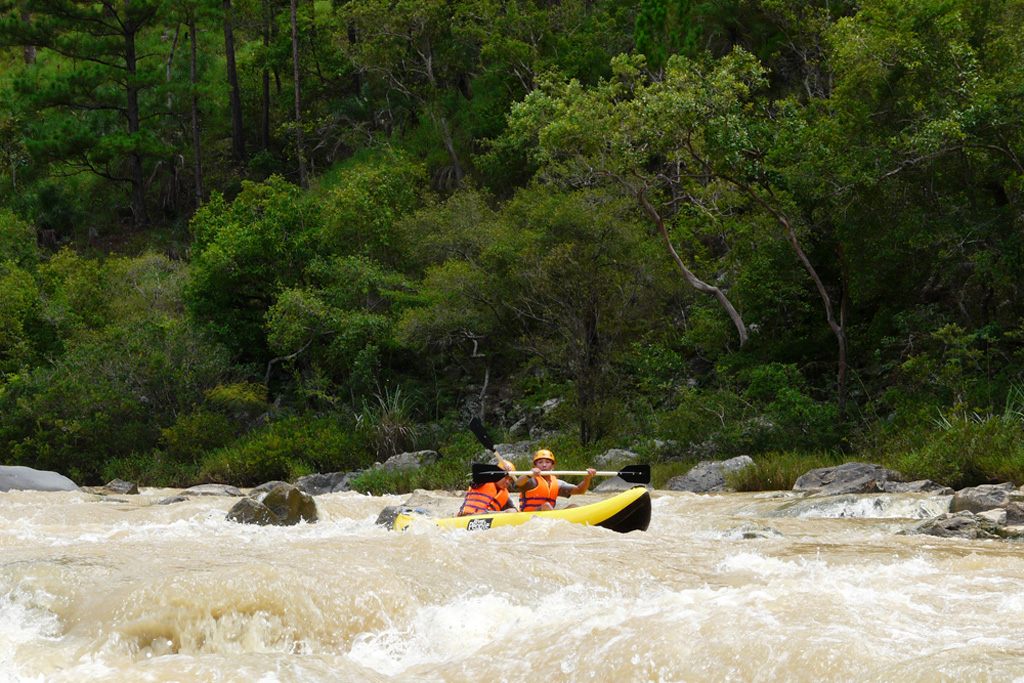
298, 101
135, 172
693, 280
30, 50
235, 96
449, 145
265, 108
193, 81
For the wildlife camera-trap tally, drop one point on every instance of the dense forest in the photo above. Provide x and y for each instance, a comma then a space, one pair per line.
244, 240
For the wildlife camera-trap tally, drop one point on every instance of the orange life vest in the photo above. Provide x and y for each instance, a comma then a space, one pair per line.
484, 498
546, 491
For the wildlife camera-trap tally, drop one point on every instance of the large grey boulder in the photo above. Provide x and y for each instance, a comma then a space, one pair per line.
851, 477
291, 505
615, 485
410, 461
212, 490
283, 505
319, 484
919, 486
122, 487
18, 478
984, 497
709, 476
963, 525
251, 511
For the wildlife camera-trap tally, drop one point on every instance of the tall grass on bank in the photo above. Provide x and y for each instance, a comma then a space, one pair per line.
779, 471
967, 450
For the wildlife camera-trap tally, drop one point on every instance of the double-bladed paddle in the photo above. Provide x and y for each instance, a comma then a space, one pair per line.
634, 474
477, 427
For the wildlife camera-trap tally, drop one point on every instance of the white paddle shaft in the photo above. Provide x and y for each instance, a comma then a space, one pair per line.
559, 473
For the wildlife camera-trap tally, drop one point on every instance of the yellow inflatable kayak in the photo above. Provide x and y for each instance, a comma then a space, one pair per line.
627, 511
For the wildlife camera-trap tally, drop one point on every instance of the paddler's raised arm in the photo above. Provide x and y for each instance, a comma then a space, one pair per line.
524, 482
584, 485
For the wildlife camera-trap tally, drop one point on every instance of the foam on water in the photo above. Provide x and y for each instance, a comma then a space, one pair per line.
119, 593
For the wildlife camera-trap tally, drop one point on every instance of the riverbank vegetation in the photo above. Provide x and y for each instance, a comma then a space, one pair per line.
244, 241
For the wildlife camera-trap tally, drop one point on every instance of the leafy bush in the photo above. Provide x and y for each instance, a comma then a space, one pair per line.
285, 450
194, 434
967, 451
700, 416
151, 469
793, 418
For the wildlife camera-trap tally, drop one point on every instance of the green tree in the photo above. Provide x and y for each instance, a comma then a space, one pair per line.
408, 52
97, 71
244, 254
557, 277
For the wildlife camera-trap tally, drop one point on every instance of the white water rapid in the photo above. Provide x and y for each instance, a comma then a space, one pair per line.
733, 587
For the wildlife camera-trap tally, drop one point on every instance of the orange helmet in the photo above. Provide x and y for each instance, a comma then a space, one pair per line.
543, 453
507, 466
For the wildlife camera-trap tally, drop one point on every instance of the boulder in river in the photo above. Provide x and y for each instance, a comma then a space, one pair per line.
319, 484
122, 487
851, 477
283, 505
964, 525
212, 490
709, 476
18, 478
984, 497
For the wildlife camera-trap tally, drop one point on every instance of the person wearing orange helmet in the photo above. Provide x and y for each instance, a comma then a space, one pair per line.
539, 491
489, 496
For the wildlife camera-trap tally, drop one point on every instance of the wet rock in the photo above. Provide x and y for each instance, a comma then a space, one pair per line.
265, 487
410, 461
919, 486
283, 505
319, 484
1014, 514
172, 500
851, 477
709, 476
387, 516
615, 485
212, 490
122, 487
962, 525
18, 478
251, 511
981, 498
291, 505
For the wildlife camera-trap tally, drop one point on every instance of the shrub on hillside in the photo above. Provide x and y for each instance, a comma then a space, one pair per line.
967, 451
285, 450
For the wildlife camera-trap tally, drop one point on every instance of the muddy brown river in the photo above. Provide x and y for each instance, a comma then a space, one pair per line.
731, 587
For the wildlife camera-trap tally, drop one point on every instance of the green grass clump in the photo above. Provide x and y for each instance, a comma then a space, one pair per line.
967, 451
778, 471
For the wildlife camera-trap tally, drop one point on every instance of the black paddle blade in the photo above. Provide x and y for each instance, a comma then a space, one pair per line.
477, 427
636, 474
483, 473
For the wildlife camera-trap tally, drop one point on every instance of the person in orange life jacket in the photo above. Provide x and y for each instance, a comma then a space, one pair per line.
489, 496
539, 491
